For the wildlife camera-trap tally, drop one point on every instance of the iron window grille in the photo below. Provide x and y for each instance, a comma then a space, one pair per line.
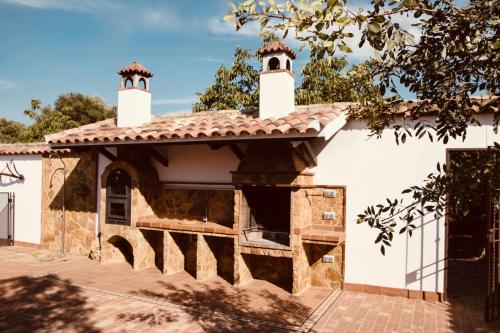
118, 197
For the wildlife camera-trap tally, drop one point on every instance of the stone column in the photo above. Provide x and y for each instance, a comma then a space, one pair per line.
173, 258
206, 263
242, 274
301, 267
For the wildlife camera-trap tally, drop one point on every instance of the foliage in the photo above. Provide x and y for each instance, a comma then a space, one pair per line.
11, 131
233, 88
69, 111
323, 81
455, 57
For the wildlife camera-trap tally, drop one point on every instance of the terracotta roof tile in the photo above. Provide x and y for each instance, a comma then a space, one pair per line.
135, 68
277, 46
203, 126
27, 149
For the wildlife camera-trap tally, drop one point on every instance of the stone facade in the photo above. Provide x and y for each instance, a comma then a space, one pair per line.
80, 200
295, 266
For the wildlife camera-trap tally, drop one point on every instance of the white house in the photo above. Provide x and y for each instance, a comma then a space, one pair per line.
268, 194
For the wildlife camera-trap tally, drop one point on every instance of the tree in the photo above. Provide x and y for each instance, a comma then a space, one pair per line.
69, 111
11, 131
234, 88
323, 81
456, 57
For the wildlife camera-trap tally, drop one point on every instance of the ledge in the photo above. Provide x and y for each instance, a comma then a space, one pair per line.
190, 226
322, 234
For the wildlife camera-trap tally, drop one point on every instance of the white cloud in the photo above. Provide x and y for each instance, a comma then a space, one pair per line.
7, 84
118, 13
71, 5
175, 101
218, 26
209, 59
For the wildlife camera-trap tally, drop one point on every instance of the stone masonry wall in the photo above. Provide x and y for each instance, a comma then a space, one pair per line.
320, 204
325, 274
80, 203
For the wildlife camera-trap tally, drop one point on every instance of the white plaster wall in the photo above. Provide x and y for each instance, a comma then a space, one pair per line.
374, 169
277, 94
28, 196
102, 163
196, 163
134, 107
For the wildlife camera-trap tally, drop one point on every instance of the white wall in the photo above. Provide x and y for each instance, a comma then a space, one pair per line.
134, 107
277, 94
196, 163
28, 196
374, 169
102, 163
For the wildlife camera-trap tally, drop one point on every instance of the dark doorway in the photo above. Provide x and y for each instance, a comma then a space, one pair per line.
6, 219
469, 231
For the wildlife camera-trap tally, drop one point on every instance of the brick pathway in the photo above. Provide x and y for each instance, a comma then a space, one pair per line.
42, 292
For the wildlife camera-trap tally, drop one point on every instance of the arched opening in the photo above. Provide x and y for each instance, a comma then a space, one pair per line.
288, 65
274, 63
142, 84
123, 247
118, 193
129, 82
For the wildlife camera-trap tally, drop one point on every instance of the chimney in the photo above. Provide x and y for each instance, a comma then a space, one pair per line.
277, 82
134, 96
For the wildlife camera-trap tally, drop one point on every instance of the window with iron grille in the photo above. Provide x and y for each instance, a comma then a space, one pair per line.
118, 192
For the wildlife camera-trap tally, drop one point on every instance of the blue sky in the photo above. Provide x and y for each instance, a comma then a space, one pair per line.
49, 47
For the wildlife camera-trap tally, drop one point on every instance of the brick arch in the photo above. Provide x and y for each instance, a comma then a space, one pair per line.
142, 195
124, 247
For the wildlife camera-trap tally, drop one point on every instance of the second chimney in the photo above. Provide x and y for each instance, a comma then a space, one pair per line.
277, 82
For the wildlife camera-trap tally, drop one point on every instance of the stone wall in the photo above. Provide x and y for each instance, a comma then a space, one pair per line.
328, 275
80, 203
320, 204
195, 204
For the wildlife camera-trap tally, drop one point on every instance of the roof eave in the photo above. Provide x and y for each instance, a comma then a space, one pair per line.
203, 140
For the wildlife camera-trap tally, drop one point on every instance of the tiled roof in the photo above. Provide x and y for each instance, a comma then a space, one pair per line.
205, 126
135, 67
26, 149
277, 46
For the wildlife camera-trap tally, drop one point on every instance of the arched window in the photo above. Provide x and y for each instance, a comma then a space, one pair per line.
118, 193
142, 84
274, 63
288, 66
129, 83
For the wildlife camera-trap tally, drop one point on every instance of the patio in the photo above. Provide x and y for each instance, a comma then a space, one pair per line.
40, 291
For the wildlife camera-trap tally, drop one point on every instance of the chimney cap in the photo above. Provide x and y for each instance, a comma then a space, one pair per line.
136, 68
277, 46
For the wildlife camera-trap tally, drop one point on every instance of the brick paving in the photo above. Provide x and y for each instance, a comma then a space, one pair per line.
41, 292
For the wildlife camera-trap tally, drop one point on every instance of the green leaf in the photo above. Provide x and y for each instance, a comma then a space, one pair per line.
345, 48
374, 27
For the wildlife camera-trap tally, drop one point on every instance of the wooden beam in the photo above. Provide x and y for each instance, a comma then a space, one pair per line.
306, 152
159, 157
236, 150
107, 154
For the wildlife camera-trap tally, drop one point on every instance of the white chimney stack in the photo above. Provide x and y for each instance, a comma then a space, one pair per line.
277, 82
134, 96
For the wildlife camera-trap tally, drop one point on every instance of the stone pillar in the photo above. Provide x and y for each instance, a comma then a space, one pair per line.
301, 267
242, 274
173, 258
144, 254
206, 263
